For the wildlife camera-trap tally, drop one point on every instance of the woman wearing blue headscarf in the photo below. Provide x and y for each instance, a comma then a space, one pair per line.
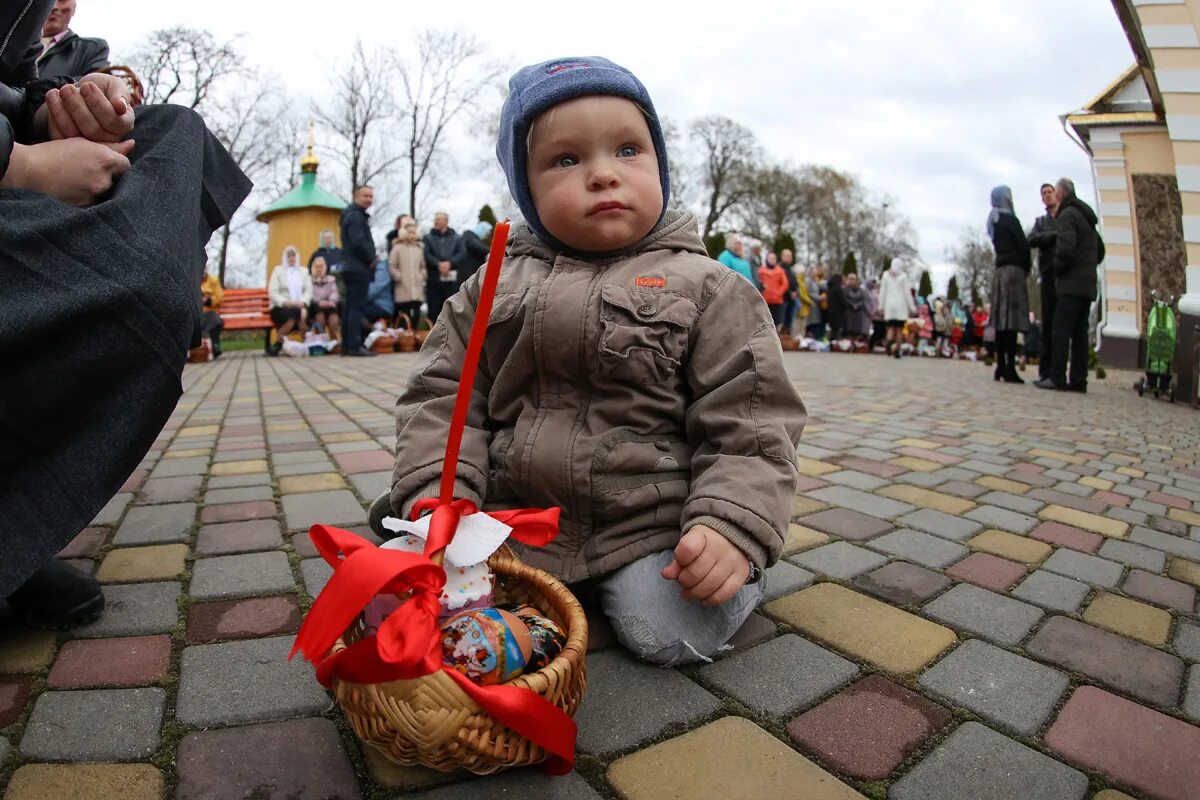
1010, 297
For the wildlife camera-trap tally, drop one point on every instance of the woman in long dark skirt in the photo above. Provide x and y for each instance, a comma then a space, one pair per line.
1010, 297
101, 247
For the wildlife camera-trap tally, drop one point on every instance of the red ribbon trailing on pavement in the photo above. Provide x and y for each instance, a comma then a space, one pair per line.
408, 643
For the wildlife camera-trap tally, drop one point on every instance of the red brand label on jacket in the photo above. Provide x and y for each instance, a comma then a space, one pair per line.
651, 283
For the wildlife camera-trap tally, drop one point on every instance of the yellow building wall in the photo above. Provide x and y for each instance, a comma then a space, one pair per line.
301, 228
1149, 153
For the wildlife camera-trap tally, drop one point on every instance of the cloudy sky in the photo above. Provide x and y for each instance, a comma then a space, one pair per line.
930, 101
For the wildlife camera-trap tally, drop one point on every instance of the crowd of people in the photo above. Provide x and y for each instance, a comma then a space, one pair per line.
813, 311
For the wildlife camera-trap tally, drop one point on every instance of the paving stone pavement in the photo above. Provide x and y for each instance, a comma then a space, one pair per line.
991, 596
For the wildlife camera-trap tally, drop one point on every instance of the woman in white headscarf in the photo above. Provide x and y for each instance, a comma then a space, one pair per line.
290, 292
1010, 297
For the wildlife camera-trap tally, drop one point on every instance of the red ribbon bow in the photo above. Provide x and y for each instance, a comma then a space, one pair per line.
408, 642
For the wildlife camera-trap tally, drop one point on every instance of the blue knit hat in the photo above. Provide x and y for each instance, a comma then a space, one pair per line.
538, 88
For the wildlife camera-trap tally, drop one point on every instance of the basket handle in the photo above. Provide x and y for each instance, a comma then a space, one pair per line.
446, 516
408, 326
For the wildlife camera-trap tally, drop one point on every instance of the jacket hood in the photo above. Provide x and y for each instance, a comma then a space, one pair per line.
1083, 207
676, 231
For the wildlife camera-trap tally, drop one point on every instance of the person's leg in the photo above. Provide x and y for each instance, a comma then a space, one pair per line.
1064, 319
653, 621
214, 335
776, 310
789, 315
1049, 301
356, 301
1079, 345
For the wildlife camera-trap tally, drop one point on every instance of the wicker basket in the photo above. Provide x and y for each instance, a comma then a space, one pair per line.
424, 328
431, 722
406, 339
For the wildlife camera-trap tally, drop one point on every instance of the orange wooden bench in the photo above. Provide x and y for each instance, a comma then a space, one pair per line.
247, 310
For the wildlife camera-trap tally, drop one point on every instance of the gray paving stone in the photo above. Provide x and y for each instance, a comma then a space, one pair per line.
1087, 568
249, 681
306, 468
870, 504
1147, 507
628, 703
781, 677
245, 494
134, 610
957, 473
839, 560
1013, 502
291, 437
175, 467
978, 763
1002, 518
1127, 515
1134, 492
339, 507
1175, 545
992, 616
1135, 555
1054, 472
221, 456
1191, 702
1013, 693
316, 573
856, 480
156, 524
920, 548
1052, 591
99, 725
1070, 487
1187, 641
299, 457
229, 577
782, 579
941, 524
370, 485
352, 447
236, 481
926, 480
528, 783
980, 466
113, 509
816, 453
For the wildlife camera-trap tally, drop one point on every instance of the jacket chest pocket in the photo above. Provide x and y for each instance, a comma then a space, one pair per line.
643, 336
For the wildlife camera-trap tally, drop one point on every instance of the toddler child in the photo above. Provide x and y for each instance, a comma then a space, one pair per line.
627, 378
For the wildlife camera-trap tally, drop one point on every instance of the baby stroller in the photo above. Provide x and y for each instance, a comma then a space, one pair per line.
1161, 329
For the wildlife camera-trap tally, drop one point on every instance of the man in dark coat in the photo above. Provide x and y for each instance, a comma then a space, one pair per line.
1076, 255
358, 267
1042, 238
441, 251
101, 301
65, 54
472, 251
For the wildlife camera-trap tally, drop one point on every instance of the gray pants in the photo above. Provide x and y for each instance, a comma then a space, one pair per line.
653, 621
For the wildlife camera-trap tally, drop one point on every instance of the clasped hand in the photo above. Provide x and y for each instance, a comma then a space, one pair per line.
85, 123
709, 567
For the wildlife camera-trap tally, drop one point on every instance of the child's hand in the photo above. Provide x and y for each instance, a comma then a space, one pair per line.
708, 566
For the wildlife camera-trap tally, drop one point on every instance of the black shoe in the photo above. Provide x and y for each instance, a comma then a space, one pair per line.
216, 353
275, 349
1046, 383
998, 374
1080, 389
58, 596
1011, 376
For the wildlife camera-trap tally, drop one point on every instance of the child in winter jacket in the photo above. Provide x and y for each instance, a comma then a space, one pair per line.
627, 378
774, 288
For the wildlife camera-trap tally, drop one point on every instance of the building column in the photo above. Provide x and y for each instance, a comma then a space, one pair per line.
1120, 330
1169, 28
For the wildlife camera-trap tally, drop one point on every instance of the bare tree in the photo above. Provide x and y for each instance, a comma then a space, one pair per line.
361, 115
185, 66
975, 264
678, 167
776, 202
727, 154
447, 76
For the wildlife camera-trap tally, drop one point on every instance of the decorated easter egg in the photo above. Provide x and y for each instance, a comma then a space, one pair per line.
488, 645
547, 637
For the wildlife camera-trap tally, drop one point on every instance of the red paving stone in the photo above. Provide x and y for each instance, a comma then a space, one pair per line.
1067, 536
876, 468
1133, 668
86, 544
1169, 500
963, 489
303, 545
134, 481
1033, 469
242, 619
988, 571
1112, 498
1134, 745
1160, 591
846, 523
807, 484
14, 694
366, 461
1069, 500
230, 512
127, 661
903, 583
868, 730
946, 440
241, 430
235, 446
238, 537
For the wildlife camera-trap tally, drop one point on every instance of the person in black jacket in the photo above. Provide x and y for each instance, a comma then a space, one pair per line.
441, 250
1042, 237
101, 301
64, 53
1010, 297
1076, 255
358, 267
472, 251
791, 302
